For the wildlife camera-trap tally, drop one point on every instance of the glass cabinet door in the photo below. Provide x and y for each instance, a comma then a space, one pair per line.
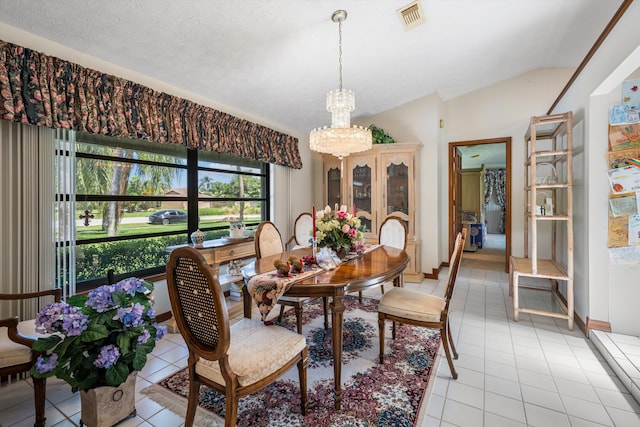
333, 182
397, 191
363, 191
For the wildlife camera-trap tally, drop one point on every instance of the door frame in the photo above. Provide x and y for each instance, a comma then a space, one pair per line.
454, 189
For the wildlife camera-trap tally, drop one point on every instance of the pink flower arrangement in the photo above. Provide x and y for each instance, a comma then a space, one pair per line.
338, 230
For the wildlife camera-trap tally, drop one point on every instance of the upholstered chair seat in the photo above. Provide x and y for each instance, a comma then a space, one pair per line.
410, 304
276, 346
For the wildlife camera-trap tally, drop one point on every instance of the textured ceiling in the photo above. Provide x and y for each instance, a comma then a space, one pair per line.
275, 60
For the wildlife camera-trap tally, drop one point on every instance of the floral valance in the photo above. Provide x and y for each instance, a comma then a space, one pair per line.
47, 91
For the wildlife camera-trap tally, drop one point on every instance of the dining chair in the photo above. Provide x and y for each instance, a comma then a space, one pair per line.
419, 309
393, 232
301, 232
268, 241
16, 341
234, 360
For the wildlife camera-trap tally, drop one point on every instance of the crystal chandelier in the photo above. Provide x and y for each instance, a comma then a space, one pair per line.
341, 139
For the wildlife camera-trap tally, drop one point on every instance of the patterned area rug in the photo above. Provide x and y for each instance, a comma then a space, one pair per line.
373, 394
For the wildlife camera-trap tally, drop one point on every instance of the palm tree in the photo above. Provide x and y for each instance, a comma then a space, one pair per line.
112, 178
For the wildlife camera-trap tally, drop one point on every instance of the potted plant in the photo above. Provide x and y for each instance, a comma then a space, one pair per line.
379, 136
338, 230
98, 343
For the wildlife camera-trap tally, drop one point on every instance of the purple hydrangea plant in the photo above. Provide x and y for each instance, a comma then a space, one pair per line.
100, 338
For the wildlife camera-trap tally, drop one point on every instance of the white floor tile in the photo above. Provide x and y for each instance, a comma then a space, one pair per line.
540, 397
462, 415
465, 394
511, 374
538, 416
504, 406
588, 410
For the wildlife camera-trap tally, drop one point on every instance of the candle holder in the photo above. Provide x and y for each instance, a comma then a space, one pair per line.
314, 246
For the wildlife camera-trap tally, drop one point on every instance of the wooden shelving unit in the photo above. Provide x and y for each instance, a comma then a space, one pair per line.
548, 144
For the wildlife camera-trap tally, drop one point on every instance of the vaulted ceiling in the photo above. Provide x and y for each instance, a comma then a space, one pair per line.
274, 60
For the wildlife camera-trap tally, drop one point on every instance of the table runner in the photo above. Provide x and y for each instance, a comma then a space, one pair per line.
265, 289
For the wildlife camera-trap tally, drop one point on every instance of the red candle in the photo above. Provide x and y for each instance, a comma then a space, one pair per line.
313, 214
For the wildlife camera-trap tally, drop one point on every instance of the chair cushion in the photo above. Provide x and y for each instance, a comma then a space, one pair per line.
12, 353
410, 304
256, 351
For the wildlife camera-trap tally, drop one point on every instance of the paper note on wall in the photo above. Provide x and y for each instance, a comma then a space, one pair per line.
634, 230
624, 180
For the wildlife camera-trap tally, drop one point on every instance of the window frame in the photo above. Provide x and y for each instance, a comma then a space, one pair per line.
193, 157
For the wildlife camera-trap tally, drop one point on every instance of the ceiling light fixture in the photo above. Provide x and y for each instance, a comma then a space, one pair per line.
341, 139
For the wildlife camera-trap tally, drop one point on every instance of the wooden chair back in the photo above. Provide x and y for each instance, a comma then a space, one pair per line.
198, 304
268, 240
393, 232
454, 265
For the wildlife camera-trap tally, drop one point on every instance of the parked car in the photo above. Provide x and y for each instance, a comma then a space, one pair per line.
167, 216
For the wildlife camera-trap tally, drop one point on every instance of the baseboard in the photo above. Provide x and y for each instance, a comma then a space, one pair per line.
598, 325
434, 274
577, 320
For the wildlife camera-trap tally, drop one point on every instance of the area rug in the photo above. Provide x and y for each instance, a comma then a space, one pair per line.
391, 394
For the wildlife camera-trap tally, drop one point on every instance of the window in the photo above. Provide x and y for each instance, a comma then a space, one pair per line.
131, 199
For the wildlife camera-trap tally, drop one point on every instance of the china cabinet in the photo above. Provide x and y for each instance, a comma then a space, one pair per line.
548, 222
378, 183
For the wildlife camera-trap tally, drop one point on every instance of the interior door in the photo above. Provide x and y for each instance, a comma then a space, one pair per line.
455, 194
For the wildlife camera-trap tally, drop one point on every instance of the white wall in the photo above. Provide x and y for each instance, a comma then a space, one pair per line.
500, 110
612, 289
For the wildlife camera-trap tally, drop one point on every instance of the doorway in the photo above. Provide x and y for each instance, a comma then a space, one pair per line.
480, 200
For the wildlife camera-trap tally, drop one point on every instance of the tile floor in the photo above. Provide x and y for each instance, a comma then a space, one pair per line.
528, 373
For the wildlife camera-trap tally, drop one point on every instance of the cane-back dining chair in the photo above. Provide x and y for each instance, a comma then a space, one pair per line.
301, 232
268, 241
234, 360
16, 340
419, 309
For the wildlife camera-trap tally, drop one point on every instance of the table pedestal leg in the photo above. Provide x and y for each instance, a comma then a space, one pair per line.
337, 311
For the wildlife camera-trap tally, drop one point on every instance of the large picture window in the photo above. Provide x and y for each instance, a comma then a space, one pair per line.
131, 199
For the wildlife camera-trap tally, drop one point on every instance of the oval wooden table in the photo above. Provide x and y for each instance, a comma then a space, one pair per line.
379, 265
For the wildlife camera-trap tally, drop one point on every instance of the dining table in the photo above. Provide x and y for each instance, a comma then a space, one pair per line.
375, 266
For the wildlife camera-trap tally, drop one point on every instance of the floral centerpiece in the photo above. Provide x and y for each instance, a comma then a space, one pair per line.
338, 230
100, 338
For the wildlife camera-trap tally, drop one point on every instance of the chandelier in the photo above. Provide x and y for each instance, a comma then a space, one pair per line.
341, 139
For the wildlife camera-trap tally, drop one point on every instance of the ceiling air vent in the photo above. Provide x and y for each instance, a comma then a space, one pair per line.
412, 15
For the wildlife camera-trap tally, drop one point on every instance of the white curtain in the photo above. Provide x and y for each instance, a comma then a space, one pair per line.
27, 245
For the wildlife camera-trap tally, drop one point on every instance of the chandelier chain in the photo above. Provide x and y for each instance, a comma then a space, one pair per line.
340, 54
